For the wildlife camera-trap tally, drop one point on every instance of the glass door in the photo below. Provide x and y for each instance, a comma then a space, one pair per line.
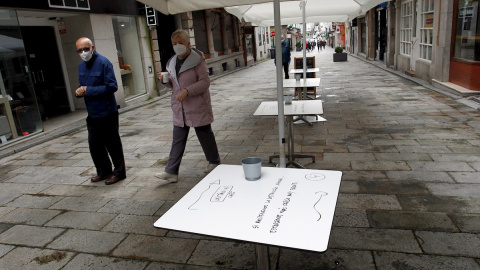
19, 114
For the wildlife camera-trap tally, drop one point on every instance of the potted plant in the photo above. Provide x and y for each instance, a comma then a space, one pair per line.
298, 46
339, 55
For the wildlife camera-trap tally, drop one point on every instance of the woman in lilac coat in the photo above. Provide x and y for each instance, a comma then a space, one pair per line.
191, 104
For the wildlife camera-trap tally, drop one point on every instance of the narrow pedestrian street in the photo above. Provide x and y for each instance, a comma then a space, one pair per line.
409, 198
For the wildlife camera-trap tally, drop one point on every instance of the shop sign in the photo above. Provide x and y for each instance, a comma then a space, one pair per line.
429, 20
61, 27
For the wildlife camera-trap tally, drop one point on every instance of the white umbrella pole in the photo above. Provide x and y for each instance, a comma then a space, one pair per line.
302, 7
278, 59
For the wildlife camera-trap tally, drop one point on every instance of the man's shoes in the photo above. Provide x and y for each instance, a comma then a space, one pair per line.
210, 168
169, 177
114, 179
99, 178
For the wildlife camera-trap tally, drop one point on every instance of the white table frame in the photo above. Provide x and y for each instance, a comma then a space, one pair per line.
298, 107
302, 83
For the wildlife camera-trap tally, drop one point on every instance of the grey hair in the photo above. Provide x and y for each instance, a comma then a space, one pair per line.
83, 39
181, 33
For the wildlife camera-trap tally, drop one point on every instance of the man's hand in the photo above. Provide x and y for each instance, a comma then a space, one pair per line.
183, 95
81, 91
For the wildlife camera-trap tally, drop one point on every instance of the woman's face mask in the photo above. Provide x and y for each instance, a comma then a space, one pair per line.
180, 49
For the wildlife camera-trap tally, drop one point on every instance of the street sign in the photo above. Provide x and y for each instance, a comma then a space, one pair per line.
272, 33
151, 16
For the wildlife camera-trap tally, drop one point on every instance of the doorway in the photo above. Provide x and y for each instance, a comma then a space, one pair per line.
46, 70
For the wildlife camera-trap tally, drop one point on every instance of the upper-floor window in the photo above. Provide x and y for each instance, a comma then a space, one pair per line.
426, 30
406, 24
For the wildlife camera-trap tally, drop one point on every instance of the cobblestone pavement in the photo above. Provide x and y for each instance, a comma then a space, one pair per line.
409, 199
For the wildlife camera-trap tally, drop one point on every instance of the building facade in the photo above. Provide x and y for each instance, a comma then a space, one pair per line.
437, 41
39, 65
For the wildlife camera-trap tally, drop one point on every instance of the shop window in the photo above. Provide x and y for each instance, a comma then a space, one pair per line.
406, 23
426, 30
467, 37
129, 56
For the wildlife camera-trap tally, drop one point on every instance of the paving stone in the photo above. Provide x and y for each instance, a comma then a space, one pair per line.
466, 177
391, 188
35, 259
134, 224
171, 266
226, 254
390, 260
373, 239
348, 156
29, 235
90, 204
364, 175
345, 217
380, 165
113, 191
420, 176
466, 222
87, 241
132, 207
155, 248
440, 166
424, 149
36, 217
81, 220
331, 259
87, 261
411, 221
66, 190
368, 201
442, 204
457, 190
449, 244
34, 201
22, 188
455, 157
161, 193
403, 156
4, 249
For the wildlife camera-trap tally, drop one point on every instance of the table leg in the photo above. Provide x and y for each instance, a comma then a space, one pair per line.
303, 95
263, 261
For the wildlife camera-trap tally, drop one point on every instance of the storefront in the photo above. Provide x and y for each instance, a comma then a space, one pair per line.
465, 58
39, 65
19, 111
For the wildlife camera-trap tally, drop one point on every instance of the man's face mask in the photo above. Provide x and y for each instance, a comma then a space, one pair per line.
85, 53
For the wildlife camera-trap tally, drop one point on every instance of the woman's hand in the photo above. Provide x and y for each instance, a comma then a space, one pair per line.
183, 95
160, 76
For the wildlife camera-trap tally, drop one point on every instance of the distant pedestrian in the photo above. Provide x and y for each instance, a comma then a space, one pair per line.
285, 56
191, 105
319, 45
324, 43
97, 86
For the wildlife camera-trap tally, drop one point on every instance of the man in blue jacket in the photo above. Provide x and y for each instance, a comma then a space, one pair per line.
98, 86
285, 56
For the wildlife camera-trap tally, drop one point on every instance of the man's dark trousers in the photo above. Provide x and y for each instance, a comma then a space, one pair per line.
285, 69
104, 139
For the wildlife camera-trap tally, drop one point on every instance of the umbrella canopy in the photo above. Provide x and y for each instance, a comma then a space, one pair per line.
316, 11
179, 6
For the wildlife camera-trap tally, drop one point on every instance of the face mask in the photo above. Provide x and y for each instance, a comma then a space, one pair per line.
180, 49
86, 56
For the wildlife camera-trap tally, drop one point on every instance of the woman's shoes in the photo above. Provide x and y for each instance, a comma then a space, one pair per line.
210, 168
169, 177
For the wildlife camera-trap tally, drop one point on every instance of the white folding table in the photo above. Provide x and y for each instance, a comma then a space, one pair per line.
285, 207
298, 107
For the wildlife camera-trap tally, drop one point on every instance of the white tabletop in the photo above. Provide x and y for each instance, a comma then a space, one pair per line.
286, 207
309, 70
298, 107
308, 82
